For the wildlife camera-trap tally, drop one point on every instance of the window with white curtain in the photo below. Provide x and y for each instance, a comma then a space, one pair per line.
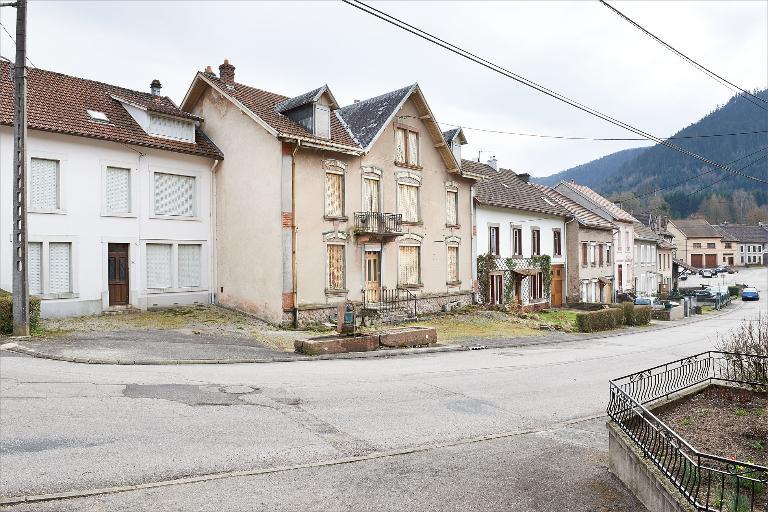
60, 267
35, 267
44, 184
158, 266
408, 202
413, 148
453, 263
371, 194
400, 136
406, 147
174, 195
409, 265
334, 194
117, 190
189, 265
452, 207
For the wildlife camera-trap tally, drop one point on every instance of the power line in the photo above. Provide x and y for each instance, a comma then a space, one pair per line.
748, 95
529, 83
701, 174
566, 137
725, 177
14, 41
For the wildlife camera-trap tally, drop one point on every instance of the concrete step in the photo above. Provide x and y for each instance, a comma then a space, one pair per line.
121, 310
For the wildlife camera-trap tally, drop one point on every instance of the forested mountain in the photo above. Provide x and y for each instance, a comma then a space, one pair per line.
728, 198
593, 173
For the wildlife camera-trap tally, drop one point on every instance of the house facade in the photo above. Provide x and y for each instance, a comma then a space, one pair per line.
699, 244
517, 223
321, 204
647, 276
623, 230
589, 252
664, 266
751, 243
119, 196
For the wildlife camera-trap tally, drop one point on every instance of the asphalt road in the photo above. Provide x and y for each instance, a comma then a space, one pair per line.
498, 429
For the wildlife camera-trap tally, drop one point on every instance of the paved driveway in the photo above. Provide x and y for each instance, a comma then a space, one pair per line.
497, 429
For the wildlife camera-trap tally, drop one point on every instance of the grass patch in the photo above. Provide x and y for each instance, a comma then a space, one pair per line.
458, 328
565, 319
740, 411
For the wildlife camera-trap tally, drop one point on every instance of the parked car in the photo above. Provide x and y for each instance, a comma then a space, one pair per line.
750, 294
722, 269
654, 302
683, 277
706, 273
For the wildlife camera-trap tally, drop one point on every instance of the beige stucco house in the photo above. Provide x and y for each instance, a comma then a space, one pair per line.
320, 204
699, 244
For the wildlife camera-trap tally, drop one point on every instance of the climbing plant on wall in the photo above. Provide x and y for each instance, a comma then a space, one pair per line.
509, 280
543, 262
486, 263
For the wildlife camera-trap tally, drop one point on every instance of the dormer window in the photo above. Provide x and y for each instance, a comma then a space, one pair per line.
311, 110
171, 127
98, 117
322, 121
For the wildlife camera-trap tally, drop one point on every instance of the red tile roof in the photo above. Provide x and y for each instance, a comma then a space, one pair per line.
58, 103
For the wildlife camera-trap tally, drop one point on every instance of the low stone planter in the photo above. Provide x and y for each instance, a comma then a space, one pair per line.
408, 337
675, 313
337, 344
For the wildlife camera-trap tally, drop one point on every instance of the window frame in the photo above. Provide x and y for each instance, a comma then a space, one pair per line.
336, 171
419, 283
557, 242
494, 228
517, 244
343, 289
74, 260
61, 158
373, 174
584, 254
175, 285
196, 195
457, 247
133, 188
455, 223
535, 241
412, 180
406, 146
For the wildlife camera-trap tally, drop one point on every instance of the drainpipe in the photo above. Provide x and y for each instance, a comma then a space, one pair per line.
294, 280
213, 246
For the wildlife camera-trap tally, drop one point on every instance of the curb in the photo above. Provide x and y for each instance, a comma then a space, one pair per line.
382, 353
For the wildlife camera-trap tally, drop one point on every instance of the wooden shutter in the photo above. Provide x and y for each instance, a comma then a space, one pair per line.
35, 267
399, 146
60, 267
335, 266
44, 184
117, 190
371, 194
174, 195
322, 121
409, 264
189, 265
452, 199
334, 198
413, 148
408, 202
453, 264
158, 266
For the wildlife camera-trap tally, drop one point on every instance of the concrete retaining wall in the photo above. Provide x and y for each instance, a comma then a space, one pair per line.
668, 314
627, 462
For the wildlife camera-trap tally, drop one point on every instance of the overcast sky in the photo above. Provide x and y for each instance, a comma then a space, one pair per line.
580, 49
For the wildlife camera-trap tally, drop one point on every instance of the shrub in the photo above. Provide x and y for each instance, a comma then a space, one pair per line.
750, 337
734, 291
629, 313
601, 320
6, 312
642, 315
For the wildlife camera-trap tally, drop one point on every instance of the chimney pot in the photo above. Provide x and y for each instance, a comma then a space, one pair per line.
227, 72
155, 87
208, 70
494, 163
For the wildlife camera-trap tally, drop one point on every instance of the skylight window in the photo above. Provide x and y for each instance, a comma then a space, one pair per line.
99, 117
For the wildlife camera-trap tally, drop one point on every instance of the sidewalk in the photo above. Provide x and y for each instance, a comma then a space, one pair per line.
164, 347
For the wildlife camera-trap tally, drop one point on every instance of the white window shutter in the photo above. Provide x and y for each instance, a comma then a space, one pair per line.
44, 184
409, 264
408, 202
413, 148
60, 267
453, 264
158, 266
400, 145
189, 265
323, 121
334, 192
371, 194
34, 267
174, 195
117, 190
452, 207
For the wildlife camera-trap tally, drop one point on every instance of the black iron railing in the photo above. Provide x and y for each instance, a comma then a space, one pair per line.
710, 482
379, 223
388, 300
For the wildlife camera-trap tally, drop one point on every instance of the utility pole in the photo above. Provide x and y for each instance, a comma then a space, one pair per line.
20, 284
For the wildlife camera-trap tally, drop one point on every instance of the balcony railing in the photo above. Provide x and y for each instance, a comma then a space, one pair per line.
376, 223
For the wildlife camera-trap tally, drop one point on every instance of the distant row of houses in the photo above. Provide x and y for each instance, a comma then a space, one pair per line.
284, 206
703, 245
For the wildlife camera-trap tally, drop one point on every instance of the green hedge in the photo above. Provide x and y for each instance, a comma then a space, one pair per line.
734, 291
601, 320
642, 315
6, 312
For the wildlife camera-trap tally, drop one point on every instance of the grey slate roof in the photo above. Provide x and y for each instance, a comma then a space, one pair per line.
745, 233
504, 189
366, 118
448, 135
582, 214
300, 100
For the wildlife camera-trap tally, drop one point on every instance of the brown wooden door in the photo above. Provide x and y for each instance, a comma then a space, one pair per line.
697, 260
372, 276
711, 260
117, 274
557, 286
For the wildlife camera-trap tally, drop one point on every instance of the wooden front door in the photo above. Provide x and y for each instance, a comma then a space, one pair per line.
117, 274
557, 286
372, 276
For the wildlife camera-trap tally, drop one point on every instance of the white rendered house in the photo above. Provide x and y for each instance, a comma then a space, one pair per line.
119, 197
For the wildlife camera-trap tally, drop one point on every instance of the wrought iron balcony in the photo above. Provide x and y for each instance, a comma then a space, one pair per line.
375, 223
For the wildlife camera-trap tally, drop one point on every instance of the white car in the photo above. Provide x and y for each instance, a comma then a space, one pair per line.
706, 273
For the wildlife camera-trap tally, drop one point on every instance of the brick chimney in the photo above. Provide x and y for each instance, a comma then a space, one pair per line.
227, 72
155, 87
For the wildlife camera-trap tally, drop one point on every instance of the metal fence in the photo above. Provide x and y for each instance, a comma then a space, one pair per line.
379, 223
387, 300
711, 483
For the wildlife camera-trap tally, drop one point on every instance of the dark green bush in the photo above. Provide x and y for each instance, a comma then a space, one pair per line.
629, 313
642, 315
6, 312
602, 320
734, 291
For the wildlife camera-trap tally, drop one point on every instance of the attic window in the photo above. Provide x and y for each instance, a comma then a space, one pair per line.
322, 121
98, 117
